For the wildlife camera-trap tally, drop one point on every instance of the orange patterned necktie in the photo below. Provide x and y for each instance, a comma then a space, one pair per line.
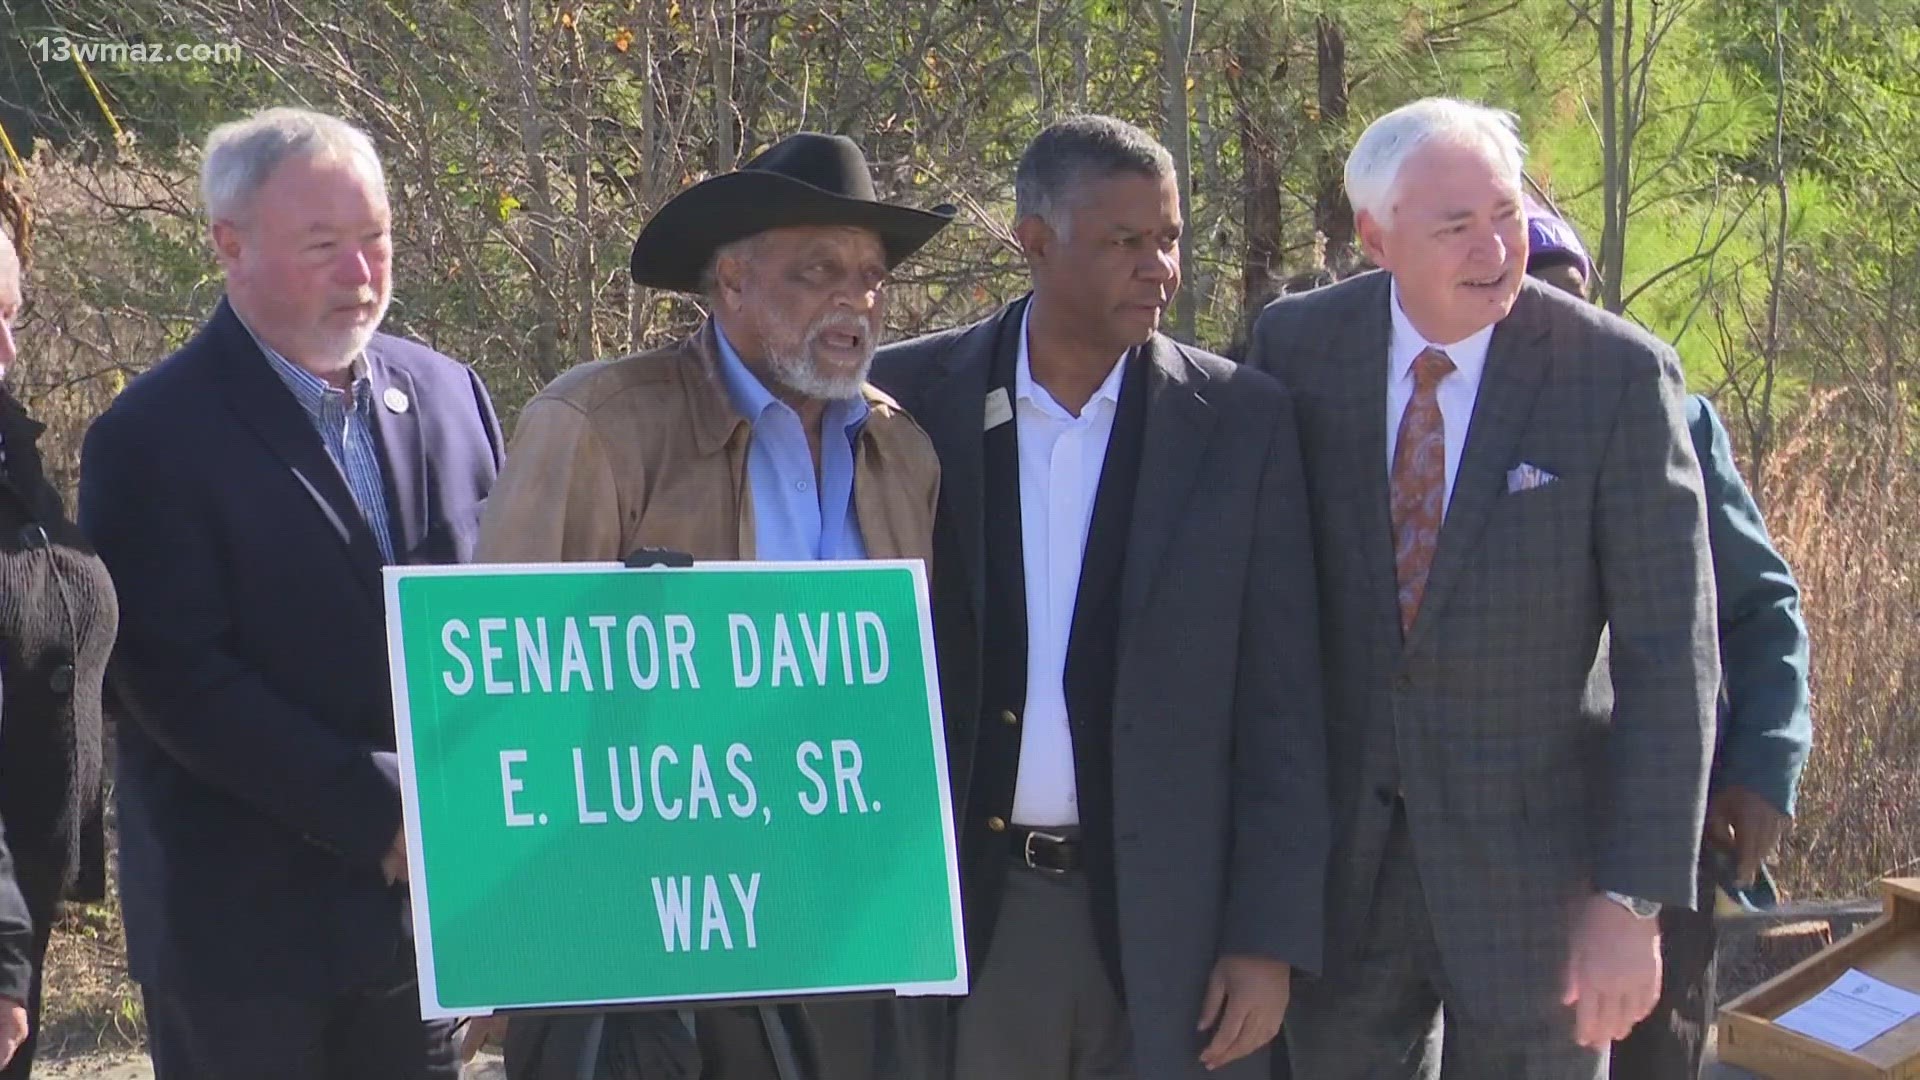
1419, 482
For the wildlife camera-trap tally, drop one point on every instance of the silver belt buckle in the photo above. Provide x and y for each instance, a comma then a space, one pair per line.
1026, 852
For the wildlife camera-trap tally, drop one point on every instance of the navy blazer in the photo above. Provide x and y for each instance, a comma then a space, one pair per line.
1765, 730
258, 783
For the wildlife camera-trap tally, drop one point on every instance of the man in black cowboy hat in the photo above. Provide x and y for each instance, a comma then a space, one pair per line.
1123, 602
756, 438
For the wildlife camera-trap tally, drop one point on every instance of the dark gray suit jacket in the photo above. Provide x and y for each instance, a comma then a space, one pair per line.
1524, 789
1219, 811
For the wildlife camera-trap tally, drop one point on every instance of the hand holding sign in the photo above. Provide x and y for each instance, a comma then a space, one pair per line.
394, 865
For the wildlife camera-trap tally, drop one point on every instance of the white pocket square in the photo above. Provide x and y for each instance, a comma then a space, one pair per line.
1525, 477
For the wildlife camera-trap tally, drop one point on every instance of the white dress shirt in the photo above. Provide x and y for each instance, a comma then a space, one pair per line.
1456, 392
1061, 456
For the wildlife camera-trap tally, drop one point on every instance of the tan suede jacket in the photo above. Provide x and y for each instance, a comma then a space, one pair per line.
646, 451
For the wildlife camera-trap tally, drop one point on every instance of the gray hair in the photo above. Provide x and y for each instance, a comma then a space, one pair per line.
1076, 150
1373, 169
742, 248
241, 155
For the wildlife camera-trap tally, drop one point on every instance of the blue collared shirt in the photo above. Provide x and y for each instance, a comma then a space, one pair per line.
344, 420
796, 517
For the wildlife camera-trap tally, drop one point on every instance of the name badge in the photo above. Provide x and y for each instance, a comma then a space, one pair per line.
999, 409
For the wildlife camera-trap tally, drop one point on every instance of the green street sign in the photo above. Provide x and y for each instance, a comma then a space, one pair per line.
667, 785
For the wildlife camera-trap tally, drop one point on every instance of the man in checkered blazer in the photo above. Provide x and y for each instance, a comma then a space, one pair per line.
1496, 472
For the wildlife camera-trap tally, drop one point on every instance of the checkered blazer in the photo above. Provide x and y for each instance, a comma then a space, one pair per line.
1524, 787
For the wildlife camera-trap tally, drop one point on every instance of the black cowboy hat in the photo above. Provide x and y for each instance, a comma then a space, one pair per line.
804, 179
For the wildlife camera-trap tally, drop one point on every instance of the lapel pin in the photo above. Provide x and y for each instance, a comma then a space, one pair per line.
396, 399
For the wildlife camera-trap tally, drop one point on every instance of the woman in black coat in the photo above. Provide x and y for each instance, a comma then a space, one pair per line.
57, 623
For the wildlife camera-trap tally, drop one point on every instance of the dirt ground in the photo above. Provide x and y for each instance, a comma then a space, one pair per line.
122, 1066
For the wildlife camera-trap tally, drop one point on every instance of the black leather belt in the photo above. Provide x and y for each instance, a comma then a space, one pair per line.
1052, 850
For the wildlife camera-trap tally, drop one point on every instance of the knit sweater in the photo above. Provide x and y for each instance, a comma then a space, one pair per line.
58, 618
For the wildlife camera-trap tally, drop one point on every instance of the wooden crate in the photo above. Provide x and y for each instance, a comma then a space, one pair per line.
1888, 949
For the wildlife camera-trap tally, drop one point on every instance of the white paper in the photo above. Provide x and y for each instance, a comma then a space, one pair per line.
1853, 1012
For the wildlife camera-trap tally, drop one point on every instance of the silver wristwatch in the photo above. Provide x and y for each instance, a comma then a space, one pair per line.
1641, 909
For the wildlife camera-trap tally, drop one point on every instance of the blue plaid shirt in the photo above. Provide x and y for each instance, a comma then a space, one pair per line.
344, 419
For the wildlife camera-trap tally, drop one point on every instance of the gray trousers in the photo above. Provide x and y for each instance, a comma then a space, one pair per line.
1383, 1020
1042, 1007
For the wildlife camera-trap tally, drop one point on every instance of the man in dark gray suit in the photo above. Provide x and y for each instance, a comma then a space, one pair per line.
1124, 610
1496, 472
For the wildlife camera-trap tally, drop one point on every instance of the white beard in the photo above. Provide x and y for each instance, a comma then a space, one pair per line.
795, 369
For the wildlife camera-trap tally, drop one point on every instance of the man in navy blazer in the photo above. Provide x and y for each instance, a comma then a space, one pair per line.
245, 494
